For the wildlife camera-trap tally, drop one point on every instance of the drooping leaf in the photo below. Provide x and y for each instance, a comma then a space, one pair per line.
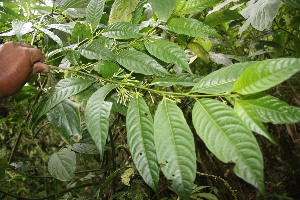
163, 9
62, 90
140, 63
52, 35
229, 139
273, 110
72, 3
221, 80
121, 30
266, 74
94, 12
177, 79
96, 115
252, 119
175, 147
140, 137
121, 11
194, 6
191, 27
168, 52
67, 28
96, 50
62, 165
260, 14
65, 118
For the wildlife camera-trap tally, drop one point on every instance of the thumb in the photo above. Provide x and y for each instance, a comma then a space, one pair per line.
39, 67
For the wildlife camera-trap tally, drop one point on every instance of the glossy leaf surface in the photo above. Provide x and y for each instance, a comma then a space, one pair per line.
266, 74
193, 6
140, 137
175, 147
229, 139
94, 12
121, 11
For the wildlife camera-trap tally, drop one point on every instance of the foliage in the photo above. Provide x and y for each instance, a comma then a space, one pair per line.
147, 83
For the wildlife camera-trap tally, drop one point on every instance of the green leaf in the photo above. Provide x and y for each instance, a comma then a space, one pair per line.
138, 13
80, 32
106, 68
121, 30
96, 115
62, 165
194, 6
63, 90
86, 145
191, 27
122, 11
96, 50
140, 137
3, 167
177, 79
72, 3
163, 9
222, 80
65, 118
252, 119
266, 74
175, 147
229, 139
21, 28
94, 12
221, 16
168, 52
140, 63
52, 36
273, 110
293, 3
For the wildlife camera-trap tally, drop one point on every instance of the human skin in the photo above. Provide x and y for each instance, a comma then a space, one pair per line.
18, 63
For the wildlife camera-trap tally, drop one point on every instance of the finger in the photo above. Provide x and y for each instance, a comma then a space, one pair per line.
36, 55
39, 67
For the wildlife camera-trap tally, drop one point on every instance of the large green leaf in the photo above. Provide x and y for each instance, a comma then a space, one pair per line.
138, 13
72, 3
266, 74
140, 137
121, 30
122, 11
96, 50
62, 165
191, 27
106, 68
65, 118
273, 110
193, 6
96, 115
94, 12
163, 9
221, 80
140, 63
177, 79
52, 35
252, 119
175, 147
226, 136
168, 52
63, 89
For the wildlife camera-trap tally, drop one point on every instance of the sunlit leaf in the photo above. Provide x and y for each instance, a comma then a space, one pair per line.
72, 3
175, 147
121, 11
140, 63
193, 6
191, 27
140, 137
266, 74
229, 139
168, 52
52, 35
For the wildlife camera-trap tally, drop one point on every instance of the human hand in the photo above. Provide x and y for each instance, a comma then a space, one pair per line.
18, 63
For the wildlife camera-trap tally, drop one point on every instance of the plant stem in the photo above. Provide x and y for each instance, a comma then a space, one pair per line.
138, 86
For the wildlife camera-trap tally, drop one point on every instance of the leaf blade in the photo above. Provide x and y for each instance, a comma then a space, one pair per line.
94, 12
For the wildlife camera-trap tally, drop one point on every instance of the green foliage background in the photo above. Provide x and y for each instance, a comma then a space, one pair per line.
154, 100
